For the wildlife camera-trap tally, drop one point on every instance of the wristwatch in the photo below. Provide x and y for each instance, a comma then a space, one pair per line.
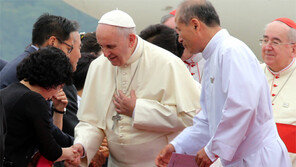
57, 111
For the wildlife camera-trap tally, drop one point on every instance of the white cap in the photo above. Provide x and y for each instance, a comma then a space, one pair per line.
117, 18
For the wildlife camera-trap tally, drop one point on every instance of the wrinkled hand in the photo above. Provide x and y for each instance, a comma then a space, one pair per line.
98, 160
100, 157
60, 100
164, 156
104, 148
125, 105
75, 162
202, 159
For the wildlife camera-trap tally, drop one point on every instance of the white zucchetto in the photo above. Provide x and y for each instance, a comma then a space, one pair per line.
117, 18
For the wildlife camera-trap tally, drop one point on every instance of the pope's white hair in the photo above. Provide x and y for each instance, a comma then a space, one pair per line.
126, 31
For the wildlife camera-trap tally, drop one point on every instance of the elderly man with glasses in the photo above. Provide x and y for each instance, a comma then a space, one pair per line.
278, 53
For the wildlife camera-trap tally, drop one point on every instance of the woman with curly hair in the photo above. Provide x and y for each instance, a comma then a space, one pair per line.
42, 76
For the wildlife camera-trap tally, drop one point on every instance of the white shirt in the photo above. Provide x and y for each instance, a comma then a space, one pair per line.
164, 106
236, 122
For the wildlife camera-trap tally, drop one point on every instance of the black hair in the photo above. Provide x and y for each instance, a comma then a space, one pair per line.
162, 36
50, 25
79, 75
89, 43
202, 10
48, 67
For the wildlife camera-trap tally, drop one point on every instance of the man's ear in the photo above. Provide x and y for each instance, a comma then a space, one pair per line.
132, 40
195, 23
294, 50
52, 40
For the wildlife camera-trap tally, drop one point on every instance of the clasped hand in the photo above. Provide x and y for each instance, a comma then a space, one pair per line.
123, 104
60, 100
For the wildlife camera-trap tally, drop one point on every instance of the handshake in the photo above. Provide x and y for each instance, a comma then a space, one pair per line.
72, 155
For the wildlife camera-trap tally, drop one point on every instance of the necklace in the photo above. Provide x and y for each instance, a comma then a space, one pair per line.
117, 117
116, 90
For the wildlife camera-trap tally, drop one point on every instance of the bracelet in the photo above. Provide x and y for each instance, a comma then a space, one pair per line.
57, 111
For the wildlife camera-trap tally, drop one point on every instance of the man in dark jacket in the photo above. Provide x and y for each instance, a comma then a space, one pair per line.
62, 33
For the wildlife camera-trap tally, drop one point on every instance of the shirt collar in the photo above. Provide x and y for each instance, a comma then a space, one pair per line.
35, 47
284, 71
209, 49
137, 52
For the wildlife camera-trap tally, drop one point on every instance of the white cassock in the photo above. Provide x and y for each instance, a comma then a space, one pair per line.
167, 100
236, 121
282, 86
195, 65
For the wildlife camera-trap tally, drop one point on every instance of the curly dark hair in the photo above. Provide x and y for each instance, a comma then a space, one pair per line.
79, 75
164, 37
48, 67
89, 43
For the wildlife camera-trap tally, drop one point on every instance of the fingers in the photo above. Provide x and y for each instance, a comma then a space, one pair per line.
133, 94
164, 156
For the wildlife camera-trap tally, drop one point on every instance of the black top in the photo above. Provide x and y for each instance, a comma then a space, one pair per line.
8, 76
28, 125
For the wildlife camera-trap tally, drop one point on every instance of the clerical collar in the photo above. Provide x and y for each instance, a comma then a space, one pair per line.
283, 70
194, 59
208, 51
135, 54
35, 47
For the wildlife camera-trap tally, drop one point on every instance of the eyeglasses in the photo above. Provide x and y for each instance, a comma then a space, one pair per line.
70, 46
264, 42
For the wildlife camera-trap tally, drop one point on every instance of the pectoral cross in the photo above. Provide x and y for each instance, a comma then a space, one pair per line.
115, 119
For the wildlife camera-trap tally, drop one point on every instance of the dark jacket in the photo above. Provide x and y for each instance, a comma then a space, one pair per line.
8, 76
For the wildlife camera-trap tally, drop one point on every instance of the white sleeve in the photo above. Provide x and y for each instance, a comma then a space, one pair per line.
152, 115
242, 85
90, 137
193, 138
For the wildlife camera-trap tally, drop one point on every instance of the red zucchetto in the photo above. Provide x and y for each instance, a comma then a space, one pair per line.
287, 21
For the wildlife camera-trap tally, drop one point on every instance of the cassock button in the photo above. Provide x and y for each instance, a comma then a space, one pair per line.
272, 103
192, 73
216, 156
276, 77
273, 95
192, 65
275, 85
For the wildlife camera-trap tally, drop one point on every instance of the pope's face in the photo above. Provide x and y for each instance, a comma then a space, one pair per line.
277, 57
115, 45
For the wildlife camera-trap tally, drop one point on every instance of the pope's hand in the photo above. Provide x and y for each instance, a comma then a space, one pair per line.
79, 149
164, 156
125, 105
202, 159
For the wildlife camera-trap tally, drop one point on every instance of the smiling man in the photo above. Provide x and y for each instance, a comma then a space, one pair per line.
137, 94
279, 52
236, 122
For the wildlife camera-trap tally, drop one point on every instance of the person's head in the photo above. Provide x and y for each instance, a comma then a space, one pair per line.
163, 37
168, 20
196, 22
48, 68
54, 30
89, 43
79, 75
116, 36
75, 55
279, 43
